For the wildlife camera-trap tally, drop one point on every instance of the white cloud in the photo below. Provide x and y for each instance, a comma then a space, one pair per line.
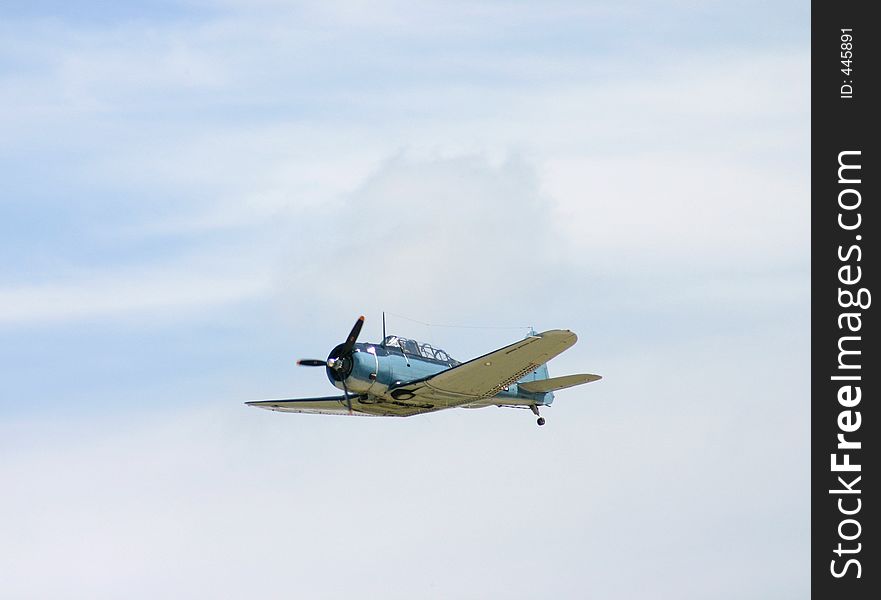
690, 211
131, 291
436, 234
227, 500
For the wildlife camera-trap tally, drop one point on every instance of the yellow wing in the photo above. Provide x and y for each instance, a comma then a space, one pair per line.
487, 375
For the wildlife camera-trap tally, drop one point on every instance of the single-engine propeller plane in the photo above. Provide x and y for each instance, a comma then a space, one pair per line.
402, 377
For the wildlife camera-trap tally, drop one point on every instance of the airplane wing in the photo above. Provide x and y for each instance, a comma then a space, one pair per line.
487, 375
328, 405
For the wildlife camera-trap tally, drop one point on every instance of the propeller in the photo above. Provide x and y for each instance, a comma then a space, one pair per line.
353, 336
311, 362
336, 362
346, 396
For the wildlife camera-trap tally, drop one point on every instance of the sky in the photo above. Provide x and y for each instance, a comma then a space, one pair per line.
197, 193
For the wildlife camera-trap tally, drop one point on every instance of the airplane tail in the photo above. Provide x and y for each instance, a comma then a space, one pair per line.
539, 374
540, 382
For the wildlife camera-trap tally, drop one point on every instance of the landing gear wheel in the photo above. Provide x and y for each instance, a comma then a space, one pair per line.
541, 419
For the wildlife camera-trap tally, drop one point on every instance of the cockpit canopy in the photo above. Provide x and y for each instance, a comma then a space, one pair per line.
414, 348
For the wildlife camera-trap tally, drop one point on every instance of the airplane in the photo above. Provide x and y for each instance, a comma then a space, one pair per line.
402, 377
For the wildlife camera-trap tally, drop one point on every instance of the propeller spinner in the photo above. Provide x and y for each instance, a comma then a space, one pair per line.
337, 363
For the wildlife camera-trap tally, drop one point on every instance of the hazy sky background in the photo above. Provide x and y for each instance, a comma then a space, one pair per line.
196, 193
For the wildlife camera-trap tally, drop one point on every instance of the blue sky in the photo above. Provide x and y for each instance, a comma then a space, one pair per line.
197, 193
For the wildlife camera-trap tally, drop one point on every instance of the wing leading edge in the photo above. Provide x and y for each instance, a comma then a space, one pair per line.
327, 405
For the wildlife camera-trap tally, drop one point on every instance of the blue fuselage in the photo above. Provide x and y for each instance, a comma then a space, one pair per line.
375, 369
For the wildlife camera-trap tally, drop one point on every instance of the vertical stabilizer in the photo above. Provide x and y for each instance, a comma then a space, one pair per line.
538, 375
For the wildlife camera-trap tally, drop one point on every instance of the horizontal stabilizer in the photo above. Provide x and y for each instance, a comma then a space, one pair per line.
542, 386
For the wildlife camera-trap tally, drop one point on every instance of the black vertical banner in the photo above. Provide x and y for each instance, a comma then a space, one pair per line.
845, 371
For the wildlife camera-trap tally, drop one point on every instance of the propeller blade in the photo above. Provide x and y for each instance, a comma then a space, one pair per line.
311, 362
346, 394
353, 336
336, 363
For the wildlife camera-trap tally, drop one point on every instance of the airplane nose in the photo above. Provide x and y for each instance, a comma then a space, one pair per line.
363, 364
